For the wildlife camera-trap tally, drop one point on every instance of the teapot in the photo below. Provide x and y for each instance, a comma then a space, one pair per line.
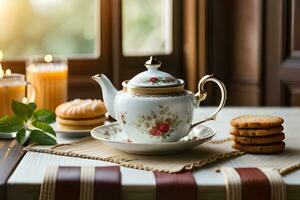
153, 106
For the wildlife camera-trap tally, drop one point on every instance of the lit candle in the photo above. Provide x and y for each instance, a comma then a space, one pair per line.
8, 72
50, 79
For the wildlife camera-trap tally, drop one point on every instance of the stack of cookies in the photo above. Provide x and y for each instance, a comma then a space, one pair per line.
80, 114
258, 134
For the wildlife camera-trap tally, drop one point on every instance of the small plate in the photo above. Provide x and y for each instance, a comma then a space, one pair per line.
8, 135
113, 136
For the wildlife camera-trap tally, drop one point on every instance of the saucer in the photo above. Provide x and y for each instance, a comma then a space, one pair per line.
113, 136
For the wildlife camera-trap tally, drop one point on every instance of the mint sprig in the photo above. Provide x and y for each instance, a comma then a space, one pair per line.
29, 123
44, 116
10, 124
22, 136
21, 110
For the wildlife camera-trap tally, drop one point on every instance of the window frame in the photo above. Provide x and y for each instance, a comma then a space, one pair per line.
111, 61
124, 67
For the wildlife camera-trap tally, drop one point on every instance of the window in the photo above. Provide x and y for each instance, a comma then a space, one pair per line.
114, 37
39, 27
146, 27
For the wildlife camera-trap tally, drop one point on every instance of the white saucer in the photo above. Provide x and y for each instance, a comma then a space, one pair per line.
113, 136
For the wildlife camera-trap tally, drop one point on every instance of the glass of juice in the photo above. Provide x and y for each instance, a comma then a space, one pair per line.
50, 79
13, 87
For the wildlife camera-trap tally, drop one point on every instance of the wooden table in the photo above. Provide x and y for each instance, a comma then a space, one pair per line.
25, 181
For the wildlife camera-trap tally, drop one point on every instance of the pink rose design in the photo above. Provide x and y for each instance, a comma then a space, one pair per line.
164, 127
153, 79
160, 129
155, 132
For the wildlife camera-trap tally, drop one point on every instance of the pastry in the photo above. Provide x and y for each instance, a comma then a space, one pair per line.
81, 109
80, 114
256, 121
81, 122
259, 140
69, 127
256, 132
267, 148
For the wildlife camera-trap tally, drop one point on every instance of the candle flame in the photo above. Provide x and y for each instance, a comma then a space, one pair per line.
24, 100
48, 58
8, 72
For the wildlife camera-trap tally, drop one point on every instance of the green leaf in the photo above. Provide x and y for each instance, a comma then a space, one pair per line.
44, 115
32, 105
10, 124
22, 136
43, 126
42, 138
22, 110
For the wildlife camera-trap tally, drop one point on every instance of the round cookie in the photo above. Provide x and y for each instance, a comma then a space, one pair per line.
256, 132
81, 109
256, 121
259, 140
66, 127
264, 149
81, 122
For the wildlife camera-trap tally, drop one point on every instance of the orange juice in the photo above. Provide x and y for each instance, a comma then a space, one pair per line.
50, 81
11, 88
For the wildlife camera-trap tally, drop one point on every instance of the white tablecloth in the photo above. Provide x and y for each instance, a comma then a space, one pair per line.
136, 184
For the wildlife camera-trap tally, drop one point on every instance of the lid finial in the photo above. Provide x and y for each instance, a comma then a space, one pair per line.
152, 63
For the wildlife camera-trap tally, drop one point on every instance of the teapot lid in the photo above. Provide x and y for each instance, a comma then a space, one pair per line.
153, 77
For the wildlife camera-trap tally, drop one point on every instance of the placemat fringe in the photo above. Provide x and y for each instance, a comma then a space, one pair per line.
286, 170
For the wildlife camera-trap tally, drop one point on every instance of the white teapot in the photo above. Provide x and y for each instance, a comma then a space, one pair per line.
153, 106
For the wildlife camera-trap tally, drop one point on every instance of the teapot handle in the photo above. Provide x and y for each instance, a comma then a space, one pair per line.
201, 95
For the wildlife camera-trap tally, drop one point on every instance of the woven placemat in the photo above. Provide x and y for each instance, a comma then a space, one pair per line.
93, 149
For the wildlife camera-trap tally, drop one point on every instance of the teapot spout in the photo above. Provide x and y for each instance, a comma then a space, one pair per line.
109, 93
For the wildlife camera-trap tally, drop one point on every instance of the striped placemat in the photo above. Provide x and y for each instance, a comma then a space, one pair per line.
91, 183
253, 183
90, 148
81, 183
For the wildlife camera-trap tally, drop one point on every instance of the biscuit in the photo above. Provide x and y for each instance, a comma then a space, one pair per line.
81, 122
264, 149
81, 109
256, 132
66, 127
259, 140
256, 121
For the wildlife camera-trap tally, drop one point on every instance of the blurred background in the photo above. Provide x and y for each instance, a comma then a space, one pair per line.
252, 45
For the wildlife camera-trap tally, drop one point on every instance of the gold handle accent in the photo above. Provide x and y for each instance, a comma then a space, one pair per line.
202, 94
31, 92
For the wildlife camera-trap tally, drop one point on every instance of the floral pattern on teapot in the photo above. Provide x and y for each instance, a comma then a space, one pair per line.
159, 124
158, 80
